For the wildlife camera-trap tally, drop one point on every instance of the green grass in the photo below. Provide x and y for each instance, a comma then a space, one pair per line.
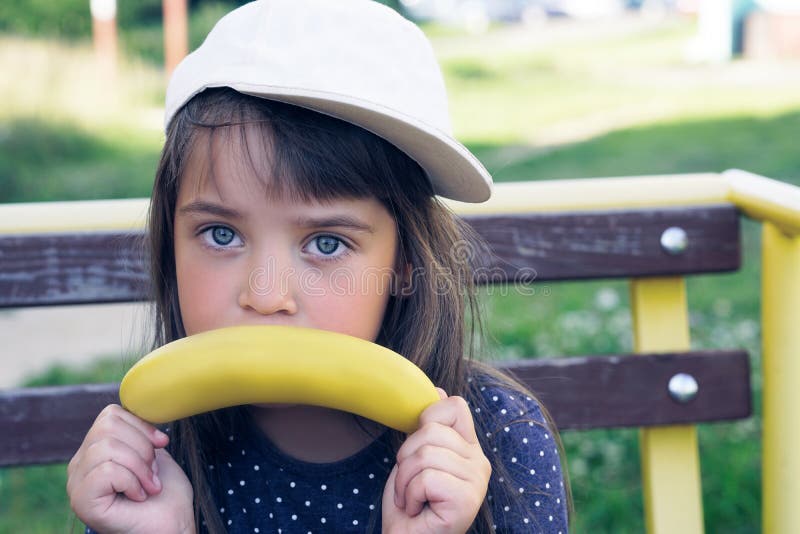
50, 160
673, 147
33, 499
601, 101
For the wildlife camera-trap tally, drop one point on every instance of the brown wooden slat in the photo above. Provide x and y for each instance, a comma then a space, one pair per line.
55, 269
41, 270
626, 391
47, 424
609, 244
42, 425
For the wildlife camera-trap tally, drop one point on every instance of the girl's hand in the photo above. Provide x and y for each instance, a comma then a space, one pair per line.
122, 480
441, 476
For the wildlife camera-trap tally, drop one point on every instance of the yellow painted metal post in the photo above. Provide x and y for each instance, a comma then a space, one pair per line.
670, 463
780, 306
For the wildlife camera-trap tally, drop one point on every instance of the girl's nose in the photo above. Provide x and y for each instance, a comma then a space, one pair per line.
269, 290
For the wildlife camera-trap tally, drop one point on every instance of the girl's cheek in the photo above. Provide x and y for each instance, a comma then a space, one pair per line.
354, 314
199, 293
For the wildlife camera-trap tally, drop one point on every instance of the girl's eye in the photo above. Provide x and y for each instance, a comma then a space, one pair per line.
329, 246
220, 236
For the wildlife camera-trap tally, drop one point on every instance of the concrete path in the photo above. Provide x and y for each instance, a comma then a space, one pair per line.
33, 339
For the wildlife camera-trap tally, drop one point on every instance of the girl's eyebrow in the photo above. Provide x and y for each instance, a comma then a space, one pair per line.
338, 220
202, 206
334, 220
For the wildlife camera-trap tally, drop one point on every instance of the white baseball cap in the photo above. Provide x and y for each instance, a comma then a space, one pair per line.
356, 60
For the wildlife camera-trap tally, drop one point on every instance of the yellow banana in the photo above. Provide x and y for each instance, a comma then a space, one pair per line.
277, 364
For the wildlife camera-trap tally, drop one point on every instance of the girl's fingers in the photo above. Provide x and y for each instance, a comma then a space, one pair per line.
119, 429
445, 443
113, 423
121, 453
110, 478
441, 465
156, 437
429, 457
434, 434
453, 412
448, 424
118, 435
431, 487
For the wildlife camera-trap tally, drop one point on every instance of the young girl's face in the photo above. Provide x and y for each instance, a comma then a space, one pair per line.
243, 257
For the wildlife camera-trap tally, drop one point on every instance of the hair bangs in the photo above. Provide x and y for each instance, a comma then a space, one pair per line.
296, 154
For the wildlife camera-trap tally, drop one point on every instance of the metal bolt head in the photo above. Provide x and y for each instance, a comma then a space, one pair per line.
683, 387
674, 240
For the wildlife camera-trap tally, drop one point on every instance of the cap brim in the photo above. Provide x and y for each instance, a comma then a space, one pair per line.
453, 170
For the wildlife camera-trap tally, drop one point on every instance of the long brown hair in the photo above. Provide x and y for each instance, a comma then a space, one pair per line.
314, 156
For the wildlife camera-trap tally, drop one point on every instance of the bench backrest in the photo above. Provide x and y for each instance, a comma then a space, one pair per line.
39, 425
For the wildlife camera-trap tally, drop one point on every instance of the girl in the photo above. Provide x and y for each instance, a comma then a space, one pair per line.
306, 146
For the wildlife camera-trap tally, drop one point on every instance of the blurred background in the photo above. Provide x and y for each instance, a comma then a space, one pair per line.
539, 89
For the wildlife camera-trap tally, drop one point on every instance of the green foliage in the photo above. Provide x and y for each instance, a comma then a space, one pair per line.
34, 500
101, 371
64, 18
147, 42
604, 468
138, 12
72, 18
44, 160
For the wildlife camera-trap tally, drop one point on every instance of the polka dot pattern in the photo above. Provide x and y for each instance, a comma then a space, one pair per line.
282, 494
257, 488
528, 492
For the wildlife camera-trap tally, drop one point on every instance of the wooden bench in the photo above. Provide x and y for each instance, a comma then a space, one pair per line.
643, 244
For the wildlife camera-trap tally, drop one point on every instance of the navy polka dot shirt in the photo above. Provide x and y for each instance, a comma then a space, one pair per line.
259, 489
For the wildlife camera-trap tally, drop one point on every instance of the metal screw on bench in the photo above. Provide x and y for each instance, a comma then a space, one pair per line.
674, 240
683, 387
